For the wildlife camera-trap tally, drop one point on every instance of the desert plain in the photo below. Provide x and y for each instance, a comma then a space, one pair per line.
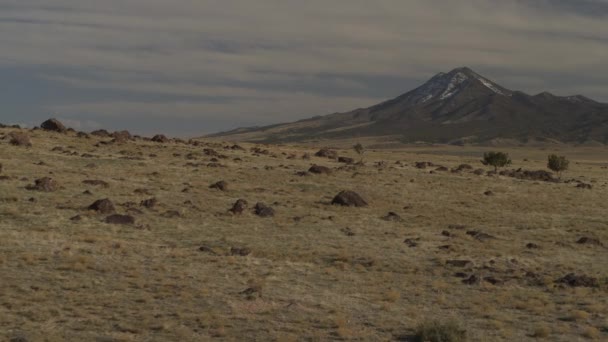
503, 258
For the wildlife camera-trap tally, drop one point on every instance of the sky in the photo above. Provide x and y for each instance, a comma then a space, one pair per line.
192, 67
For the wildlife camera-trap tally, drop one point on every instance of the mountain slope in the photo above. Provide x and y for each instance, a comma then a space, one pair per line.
452, 107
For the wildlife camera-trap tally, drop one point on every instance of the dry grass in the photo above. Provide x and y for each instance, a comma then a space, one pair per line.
315, 272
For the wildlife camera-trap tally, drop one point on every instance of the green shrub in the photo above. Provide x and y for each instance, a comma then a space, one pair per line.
557, 163
496, 159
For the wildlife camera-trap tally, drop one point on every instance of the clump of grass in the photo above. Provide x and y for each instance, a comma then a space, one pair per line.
437, 331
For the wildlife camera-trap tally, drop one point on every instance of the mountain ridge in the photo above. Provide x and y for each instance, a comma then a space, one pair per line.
460, 105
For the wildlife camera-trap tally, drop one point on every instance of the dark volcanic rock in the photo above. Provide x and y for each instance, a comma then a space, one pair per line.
327, 153
239, 206
392, 216
20, 139
121, 136
103, 206
101, 133
346, 160
480, 236
45, 184
221, 185
423, 165
160, 138
53, 125
539, 175
584, 186
149, 203
574, 280
349, 199
240, 251
120, 219
318, 169
263, 210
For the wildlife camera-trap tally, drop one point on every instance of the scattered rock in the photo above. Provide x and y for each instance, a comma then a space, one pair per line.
103, 206
532, 246
574, 280
411, 242
423, 165
442, 169
20, 139
221, 185
45, 184
239, 206
480, 236
589, 241
489, 193
347, 231
53, 125
349, 199
101, 133
479, 172
160, 138
96, 182
76, 218
318, 169
346, 160
392, 216
263, 210
120, 219
121, 137
327, 153
584, 186
472, 280
539, 175
149, 203
243, 251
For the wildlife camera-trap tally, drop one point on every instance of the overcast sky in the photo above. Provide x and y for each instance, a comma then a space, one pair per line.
188, 67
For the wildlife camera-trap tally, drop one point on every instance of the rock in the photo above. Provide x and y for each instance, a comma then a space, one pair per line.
262, 210
392, 216
211, 152
589, 241
532, 246
96, 182
221, 185
472, 280
539, 175
103, 206
244, 251
412, 242
574, 280
442, 169
20, 139
489, 193
327, 153
45, 184
101, 133
479, 235
349, 199
76, 218
463, 167
479, 172
53, 125
149, 203
160, 138
346, 160
347, 231
423, 165
83, 135
121, 137
120, 219
318, 169
584, 186
239, 206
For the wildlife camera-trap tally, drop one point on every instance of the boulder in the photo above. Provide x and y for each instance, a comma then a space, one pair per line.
160, 138
239, 206
101, 133
327, 153
221, 185
349, 199
346, 160
318, 169
45, 184
102, 206
262, 210
53, 125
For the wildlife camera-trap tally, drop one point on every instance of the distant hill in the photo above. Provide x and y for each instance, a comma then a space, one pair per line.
458, 107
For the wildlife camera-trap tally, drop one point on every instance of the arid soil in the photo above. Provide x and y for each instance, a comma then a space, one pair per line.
117, 238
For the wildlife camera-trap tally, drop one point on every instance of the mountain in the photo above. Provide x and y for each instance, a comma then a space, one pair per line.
457, 107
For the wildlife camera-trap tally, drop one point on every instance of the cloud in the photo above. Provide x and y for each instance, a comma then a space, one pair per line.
239, 62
